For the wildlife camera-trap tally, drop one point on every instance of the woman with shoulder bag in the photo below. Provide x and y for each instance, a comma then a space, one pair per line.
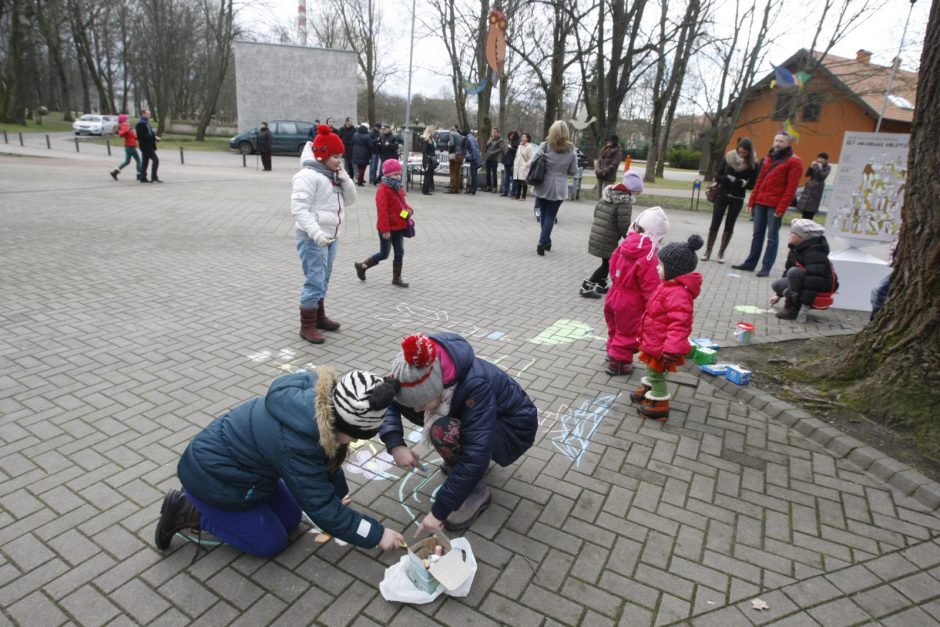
735, 176
561, 161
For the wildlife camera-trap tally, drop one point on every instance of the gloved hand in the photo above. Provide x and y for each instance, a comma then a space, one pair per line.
732, 179
670, 359
324, 240
343, 175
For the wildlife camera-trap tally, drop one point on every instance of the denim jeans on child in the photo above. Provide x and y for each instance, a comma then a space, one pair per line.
395, 241
317, 263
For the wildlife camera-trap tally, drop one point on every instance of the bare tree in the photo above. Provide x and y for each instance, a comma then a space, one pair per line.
50, 19
219, 34
892, 366
16, 81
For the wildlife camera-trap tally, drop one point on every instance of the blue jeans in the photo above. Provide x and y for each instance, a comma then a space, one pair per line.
396, 241
507, 180
549, 213
764, 220
374, 173
317, 263
130, 152
260, 531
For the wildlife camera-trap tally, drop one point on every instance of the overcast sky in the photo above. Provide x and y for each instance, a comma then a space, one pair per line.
881, 34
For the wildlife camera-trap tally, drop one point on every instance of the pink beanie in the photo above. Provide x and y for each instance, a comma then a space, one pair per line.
122, 118
391, 166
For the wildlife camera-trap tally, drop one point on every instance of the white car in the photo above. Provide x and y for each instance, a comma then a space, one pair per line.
91, 124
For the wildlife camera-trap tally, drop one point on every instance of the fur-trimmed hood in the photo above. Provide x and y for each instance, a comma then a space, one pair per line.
326, 381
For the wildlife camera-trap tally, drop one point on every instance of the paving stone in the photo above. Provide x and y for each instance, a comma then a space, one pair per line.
839, 612
36, 609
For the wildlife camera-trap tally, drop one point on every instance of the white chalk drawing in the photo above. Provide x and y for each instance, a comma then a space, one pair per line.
751, 309
406, 316
576, 427
565, 331
869, 189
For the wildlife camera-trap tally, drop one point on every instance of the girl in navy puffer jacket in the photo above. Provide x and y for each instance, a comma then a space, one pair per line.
248, 476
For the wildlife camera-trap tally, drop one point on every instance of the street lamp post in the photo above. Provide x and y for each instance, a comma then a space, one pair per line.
894, 68
411, 54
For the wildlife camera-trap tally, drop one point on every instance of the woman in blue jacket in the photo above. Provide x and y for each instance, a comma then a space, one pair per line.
474, 412
249, 475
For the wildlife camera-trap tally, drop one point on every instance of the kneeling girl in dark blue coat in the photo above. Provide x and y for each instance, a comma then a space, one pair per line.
250, 474
474, 413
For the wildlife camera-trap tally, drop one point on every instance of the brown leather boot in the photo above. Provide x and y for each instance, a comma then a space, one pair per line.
176, 514
362, 267
640, 395
396, 275
712, 236
655, 409
308, 326
323, 322
725, 239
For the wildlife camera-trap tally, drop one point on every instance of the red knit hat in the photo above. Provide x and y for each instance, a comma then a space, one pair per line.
327, 143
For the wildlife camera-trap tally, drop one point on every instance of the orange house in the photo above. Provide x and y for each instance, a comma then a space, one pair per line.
841, 95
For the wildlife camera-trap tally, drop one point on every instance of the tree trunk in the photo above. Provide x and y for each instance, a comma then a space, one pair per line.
894, 364
17, 81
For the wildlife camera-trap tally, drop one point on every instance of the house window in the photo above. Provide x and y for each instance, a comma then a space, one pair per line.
812, 109
782, 107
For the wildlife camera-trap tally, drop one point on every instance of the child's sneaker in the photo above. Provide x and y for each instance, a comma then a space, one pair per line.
601, 287
616, 367
588, 289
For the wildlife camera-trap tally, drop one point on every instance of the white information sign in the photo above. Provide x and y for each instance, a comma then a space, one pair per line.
869, 188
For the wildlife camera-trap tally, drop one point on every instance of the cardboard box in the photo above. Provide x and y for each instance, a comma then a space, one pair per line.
705, 355
715, 369
705, 342
737, 374
450, 570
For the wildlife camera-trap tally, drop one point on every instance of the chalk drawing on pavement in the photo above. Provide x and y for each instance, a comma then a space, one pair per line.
751, 309
413, 317
576, 426
565, 331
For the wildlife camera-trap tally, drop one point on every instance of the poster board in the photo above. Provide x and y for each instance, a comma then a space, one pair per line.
868, 192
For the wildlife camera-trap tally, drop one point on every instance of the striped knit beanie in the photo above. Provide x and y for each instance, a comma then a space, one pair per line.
360, 399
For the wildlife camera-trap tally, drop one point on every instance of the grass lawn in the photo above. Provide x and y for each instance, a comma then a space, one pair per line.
51, 123
174, 142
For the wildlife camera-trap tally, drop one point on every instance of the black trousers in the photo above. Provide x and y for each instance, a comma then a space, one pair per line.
266, 161
148, 155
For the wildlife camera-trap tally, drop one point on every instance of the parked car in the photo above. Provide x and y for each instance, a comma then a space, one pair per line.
288, 138
93, 124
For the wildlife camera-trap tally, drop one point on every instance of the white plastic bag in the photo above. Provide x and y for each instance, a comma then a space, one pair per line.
396, 586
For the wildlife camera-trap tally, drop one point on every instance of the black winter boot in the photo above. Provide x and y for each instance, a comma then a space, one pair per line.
176, 514
362, 267
790, 308
396, 275
588, 289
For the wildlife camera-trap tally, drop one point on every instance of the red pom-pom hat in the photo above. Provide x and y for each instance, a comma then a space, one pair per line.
327, 143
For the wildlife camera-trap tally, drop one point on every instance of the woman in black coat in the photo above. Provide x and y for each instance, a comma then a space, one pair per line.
362, 152
736, 174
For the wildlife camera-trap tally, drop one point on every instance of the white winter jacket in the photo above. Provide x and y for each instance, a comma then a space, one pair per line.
316, 207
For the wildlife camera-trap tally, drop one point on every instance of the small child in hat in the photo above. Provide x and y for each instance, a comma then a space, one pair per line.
667, 325
248, 476
807, 272
634, 277
473, 413
320, 192
612, 221
127, 132
393, 213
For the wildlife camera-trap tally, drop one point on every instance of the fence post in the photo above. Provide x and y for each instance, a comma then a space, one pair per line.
182, 160
107, 143
76, 145
6, 140
244, 161
21, 138
696, 194
48, 143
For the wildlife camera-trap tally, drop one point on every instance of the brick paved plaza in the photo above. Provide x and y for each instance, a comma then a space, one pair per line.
132, 315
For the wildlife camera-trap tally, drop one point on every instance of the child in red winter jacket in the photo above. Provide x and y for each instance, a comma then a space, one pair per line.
667, 325
392, 216
634, 277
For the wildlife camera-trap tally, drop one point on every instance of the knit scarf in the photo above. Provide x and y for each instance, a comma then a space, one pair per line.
394, 183
780, 155
332, 176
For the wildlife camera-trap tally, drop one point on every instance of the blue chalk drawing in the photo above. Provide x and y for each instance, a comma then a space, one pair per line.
495, 335
578, 426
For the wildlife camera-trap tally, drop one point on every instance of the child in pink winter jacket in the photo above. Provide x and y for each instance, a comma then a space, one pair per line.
667, 325
634, 277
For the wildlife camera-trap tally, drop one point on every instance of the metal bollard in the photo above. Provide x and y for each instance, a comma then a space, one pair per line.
48, 143
76, 145
244, 161
6, 140
182, 161
107, 143
21, 138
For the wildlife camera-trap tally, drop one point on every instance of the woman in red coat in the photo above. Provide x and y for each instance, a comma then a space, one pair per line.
393, 213
667, 324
